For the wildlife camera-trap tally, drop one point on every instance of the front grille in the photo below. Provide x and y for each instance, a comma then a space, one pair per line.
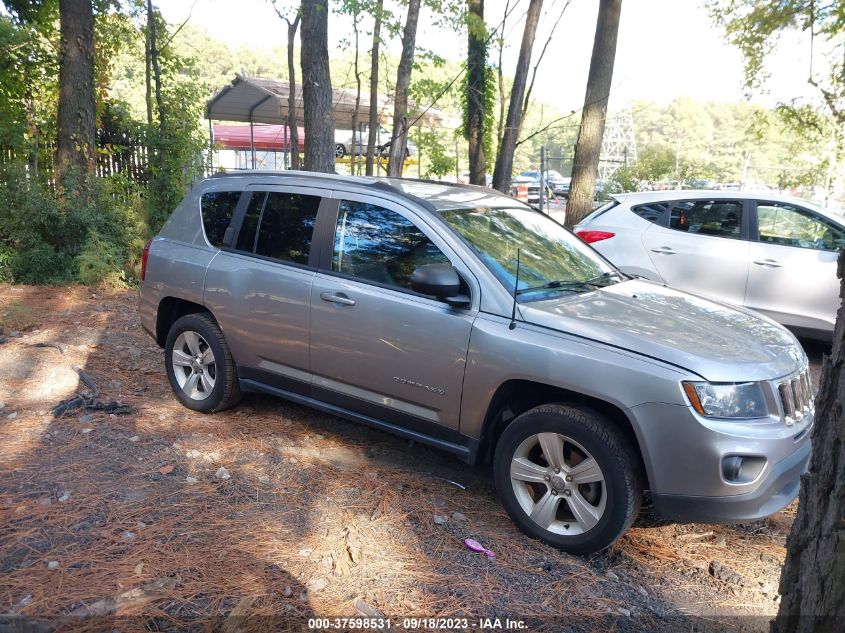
796, 397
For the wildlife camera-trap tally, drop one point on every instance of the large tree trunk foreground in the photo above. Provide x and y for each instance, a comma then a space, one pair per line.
812, 584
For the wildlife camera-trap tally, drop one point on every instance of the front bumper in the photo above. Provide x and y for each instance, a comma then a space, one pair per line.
776, 492
684, 452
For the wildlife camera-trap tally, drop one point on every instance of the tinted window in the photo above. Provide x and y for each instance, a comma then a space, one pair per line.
287, 223
651, 212
218, 207
721, 218
249, 226
790, 226
380, 245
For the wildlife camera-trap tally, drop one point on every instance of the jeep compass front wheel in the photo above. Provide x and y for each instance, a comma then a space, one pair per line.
566, 477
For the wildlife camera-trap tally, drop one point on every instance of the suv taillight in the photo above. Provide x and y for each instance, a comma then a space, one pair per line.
144, 257
594, 236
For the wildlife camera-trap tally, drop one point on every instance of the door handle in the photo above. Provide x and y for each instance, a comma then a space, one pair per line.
768, 263
337, 298
663, 250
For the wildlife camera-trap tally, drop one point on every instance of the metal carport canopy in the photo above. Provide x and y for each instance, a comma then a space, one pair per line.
256, 100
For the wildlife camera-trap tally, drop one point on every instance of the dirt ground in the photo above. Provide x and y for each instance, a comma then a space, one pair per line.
267, 515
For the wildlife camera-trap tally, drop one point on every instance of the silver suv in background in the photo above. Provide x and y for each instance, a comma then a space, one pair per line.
463, 319
773, 254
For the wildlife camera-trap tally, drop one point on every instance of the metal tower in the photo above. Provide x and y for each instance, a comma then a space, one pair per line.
619, 145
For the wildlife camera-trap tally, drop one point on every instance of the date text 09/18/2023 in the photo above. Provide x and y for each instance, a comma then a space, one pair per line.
430, 624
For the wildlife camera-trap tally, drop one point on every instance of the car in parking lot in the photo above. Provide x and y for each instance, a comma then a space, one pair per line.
461, 318
772, 254
557, 183
344, 144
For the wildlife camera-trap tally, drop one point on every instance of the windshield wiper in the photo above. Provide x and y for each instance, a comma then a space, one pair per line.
604, 277
579, 286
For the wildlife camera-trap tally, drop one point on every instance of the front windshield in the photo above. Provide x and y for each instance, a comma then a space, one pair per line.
551, 259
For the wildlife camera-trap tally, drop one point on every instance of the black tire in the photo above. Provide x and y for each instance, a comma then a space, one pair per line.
339, 150
226, 392
621, 485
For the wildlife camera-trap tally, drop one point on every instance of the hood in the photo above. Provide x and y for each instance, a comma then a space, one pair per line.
714, 340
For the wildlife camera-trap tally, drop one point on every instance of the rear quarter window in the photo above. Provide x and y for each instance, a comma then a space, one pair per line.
653, 212
218, 207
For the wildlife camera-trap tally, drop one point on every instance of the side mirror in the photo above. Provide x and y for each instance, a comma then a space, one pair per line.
440, 281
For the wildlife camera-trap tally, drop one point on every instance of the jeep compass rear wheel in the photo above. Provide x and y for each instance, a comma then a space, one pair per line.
565, 476
199, 365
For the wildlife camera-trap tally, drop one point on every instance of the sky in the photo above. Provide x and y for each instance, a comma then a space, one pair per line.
666, 48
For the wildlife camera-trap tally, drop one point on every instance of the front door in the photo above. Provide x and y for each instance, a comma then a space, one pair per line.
377, 347
792, 277
704, 249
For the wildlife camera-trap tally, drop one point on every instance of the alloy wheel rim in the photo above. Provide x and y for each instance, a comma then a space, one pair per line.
194, 365
558, 484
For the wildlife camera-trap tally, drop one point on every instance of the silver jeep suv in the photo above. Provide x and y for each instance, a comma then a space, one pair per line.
463, 319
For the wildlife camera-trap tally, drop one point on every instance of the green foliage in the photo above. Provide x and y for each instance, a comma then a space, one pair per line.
175, 139
756, 29
434, 151
89, 237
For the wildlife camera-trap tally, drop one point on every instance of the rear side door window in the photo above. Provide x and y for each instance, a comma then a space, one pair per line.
279, 226
379, 245
787, 225
716, 218
218, 208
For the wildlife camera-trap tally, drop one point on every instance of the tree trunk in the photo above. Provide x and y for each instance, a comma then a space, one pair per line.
354, 157
476, 101
292, 125
373, 124
503, 172
585, 164
812, 583
33, 133
77, 109
526, 103
152, 31
317, 87
399, 139
500, 79
148, 69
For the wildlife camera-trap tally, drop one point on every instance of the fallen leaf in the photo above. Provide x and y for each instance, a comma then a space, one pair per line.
166, 470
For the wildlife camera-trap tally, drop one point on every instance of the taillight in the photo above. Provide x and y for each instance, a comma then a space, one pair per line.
144, 257
594, 236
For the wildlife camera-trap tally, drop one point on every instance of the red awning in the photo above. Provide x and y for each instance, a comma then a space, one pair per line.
266, 137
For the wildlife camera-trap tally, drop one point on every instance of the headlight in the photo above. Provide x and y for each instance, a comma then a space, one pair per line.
731, 400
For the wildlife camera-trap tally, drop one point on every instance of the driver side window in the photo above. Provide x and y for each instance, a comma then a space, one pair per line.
378, 245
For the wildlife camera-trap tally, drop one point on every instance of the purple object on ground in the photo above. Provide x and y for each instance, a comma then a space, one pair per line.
475, 546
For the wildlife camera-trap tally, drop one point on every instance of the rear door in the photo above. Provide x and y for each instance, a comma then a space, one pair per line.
792, 277
702, 247
259, 285
377, 347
